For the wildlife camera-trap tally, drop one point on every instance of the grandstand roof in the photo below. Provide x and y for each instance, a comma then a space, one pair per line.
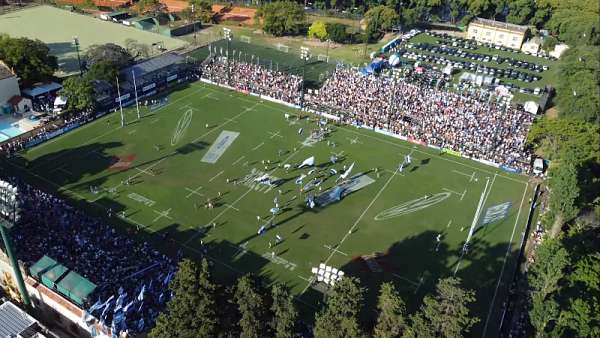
14, 321
152, 65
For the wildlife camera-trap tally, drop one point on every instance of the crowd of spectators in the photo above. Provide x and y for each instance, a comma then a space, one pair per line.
465, 122
133, 273
20, 142
253, 78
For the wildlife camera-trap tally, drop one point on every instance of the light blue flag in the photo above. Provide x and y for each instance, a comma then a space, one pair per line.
95, 306
141, 295
168, 278
128, 306
140, 325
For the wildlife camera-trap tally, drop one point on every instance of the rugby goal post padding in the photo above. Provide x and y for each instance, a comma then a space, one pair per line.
245, 38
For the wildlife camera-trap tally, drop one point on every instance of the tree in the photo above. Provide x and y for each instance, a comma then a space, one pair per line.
281, 18
137, 49
578, 86
102, 70
109, 52
390, 322
551, 259
318, 30
383, 17
582, 319
30, 59
251, 307
79, 93
184, 315
339, 318
284, 312
576, 22
202, 9
564, 190
520, 11
337, 32
542, 312
149, 7
446, 314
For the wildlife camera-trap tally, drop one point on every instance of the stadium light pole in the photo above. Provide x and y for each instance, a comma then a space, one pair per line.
227, 34
304, 56
76, 44
9, 215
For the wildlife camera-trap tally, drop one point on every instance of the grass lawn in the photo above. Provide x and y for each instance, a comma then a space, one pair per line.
385, 230
57, 27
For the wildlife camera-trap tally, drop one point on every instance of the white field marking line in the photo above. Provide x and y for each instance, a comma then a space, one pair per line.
217, 175
230, 120
310, 280
405, 279
182, 126
238, 160
222, 125
421, 281
61, 169
132, 132
155, 120
449, 223
508, 247
232, 207
193, 192
461, 173
463, 194
140, 225
100, 136
220, 214
476, 217
354, 140
392, 172
258, 146
429, 154
276, 134
334, 249
452, 191
357, 221
144, 172
139, 173
211, 258
338, 154
472, 177
164, 213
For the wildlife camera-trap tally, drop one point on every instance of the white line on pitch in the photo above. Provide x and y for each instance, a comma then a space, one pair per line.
463, 194
406, 279
144, 171
452, 191
232, 207
449, 223
461, 173
162, 214
194, 192
258, 146
154, 121
472, 177
238, 160
310, 280
217, 175
132, 132
334, 249
508, 247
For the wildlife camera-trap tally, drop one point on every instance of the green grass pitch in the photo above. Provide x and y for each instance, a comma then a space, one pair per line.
170, 184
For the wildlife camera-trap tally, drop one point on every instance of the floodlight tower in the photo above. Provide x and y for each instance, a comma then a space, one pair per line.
227, 34
76, 44
304, 56
9, 215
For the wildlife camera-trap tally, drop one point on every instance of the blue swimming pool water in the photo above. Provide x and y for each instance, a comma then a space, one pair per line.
7, 130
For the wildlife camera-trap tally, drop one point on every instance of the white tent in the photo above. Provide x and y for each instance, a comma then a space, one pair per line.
531, 107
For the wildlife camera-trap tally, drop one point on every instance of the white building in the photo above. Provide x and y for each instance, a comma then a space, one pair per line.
532, 46
496, 32
9, 84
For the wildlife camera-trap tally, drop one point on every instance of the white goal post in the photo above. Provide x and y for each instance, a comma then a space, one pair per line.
245, 38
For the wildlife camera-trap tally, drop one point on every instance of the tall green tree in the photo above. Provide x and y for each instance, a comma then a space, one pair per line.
30, 59
576, 22
102, 70
339, 318
281, 18
251, 306
191, 311
202, 9
446, 314
543, 311
318, 30
383, 17
79, 94
284, 311
520, 11
564, 190
391, 322
551, 259
109, 52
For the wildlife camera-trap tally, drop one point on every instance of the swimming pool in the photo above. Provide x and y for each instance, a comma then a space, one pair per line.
7, 130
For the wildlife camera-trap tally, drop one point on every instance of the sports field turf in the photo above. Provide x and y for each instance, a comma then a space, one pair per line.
57, 27
392, 223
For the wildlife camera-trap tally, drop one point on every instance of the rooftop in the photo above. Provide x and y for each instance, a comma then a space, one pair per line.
152, 65
499, 24
14, 321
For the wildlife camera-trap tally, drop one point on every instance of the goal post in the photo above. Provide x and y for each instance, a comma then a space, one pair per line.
245, 38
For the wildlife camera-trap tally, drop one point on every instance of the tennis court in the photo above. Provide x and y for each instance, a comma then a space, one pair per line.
57, 27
